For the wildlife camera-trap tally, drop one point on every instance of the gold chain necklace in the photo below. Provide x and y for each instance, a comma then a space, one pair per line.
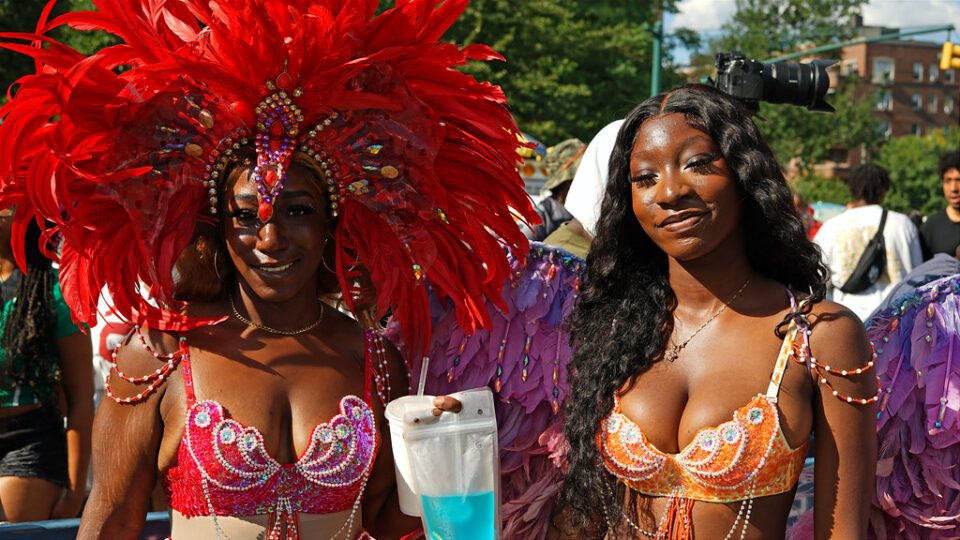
675, 351
266, 328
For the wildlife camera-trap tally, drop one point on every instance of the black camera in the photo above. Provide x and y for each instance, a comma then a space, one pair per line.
751, 81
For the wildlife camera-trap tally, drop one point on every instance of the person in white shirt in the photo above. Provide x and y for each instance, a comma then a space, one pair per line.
844, 238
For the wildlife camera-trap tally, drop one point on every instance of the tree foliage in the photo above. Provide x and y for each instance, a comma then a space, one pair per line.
819, 189
765, 28
572, 67
808, 138
912, 164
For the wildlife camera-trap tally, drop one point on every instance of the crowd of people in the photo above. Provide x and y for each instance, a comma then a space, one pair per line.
279, 209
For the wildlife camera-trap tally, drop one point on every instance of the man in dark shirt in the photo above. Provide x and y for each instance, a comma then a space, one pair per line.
941, 232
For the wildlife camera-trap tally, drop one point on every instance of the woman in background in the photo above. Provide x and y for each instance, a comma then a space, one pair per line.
47, 374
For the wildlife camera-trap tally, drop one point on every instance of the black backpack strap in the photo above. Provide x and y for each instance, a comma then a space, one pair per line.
883, 221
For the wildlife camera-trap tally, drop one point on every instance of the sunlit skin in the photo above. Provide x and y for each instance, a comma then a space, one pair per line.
282, 385
688, 202
951, 191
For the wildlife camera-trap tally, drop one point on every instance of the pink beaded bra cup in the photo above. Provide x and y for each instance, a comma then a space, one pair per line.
223, 468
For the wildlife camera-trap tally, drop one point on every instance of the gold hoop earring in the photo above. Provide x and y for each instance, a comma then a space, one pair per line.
323, 261
216, 266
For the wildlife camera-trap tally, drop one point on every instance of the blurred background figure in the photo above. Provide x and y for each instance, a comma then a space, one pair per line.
586, 191
844, 239
941, 231
559, 166
46, 374
806, 214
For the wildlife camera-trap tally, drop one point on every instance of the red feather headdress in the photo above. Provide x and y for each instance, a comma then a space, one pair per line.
121, 151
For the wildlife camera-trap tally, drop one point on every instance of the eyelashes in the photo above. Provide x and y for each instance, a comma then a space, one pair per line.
705, 165
248, 216
702, 165
643, 179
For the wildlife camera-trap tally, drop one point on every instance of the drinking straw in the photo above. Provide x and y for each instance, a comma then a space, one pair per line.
423, 375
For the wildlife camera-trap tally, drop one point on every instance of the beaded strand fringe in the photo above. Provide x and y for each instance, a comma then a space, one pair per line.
805, 357
153, 380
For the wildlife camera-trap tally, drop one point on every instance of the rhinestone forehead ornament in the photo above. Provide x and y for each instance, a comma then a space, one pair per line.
277, 137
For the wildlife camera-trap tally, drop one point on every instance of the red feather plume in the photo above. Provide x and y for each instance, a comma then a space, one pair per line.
104, 149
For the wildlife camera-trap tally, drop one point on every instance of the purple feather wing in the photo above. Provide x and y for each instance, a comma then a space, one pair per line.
917, 341
524, 358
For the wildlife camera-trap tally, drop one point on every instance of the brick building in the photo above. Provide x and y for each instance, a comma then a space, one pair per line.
910, 94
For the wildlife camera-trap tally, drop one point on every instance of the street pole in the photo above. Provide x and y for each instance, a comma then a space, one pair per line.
657, 46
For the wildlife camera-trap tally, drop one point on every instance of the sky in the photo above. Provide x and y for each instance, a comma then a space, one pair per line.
706, 16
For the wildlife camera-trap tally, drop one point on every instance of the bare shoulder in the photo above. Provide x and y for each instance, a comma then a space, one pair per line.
837, 335
143, 353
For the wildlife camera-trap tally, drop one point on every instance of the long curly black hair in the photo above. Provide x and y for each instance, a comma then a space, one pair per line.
28, 330
625, 312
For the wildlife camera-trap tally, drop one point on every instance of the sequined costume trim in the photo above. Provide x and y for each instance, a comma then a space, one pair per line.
224, 469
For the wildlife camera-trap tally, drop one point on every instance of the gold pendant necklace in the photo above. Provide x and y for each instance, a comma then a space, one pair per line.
674, 352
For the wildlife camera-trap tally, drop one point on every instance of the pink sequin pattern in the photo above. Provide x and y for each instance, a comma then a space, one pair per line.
243, 479
224, 469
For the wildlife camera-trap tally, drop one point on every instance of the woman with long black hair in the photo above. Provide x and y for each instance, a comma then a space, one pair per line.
46, 375
705, 355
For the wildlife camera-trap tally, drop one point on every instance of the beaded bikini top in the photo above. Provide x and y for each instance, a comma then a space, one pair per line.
223, 468
744, 457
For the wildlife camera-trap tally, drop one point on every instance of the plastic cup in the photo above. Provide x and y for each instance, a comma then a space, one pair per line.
395, 411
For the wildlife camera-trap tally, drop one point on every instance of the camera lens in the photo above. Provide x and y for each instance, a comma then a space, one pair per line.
798, 84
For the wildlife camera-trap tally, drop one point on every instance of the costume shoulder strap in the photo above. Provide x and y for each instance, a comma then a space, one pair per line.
773, 390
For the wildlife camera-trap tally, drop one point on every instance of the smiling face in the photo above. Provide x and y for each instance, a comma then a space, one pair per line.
684, 195
281, 259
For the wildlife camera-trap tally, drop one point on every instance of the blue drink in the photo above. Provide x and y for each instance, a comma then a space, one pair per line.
459, 517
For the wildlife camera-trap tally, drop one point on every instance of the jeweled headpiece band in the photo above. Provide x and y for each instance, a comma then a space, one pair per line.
277, 137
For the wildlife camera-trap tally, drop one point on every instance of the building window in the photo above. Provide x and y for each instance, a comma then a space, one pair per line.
948, 75
849, 67
884, 101
917, 71
883, 128
917, 101
932, 73
948, 105
932, 104
915, 129
882, 71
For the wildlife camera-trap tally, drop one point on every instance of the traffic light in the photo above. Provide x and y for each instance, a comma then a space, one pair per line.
950, 57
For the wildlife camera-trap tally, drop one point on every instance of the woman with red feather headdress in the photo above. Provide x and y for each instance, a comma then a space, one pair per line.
227, 172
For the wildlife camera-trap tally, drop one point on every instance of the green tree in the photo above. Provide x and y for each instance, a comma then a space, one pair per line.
572, 67
820, 189
806, 138
912, 164
764, 28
